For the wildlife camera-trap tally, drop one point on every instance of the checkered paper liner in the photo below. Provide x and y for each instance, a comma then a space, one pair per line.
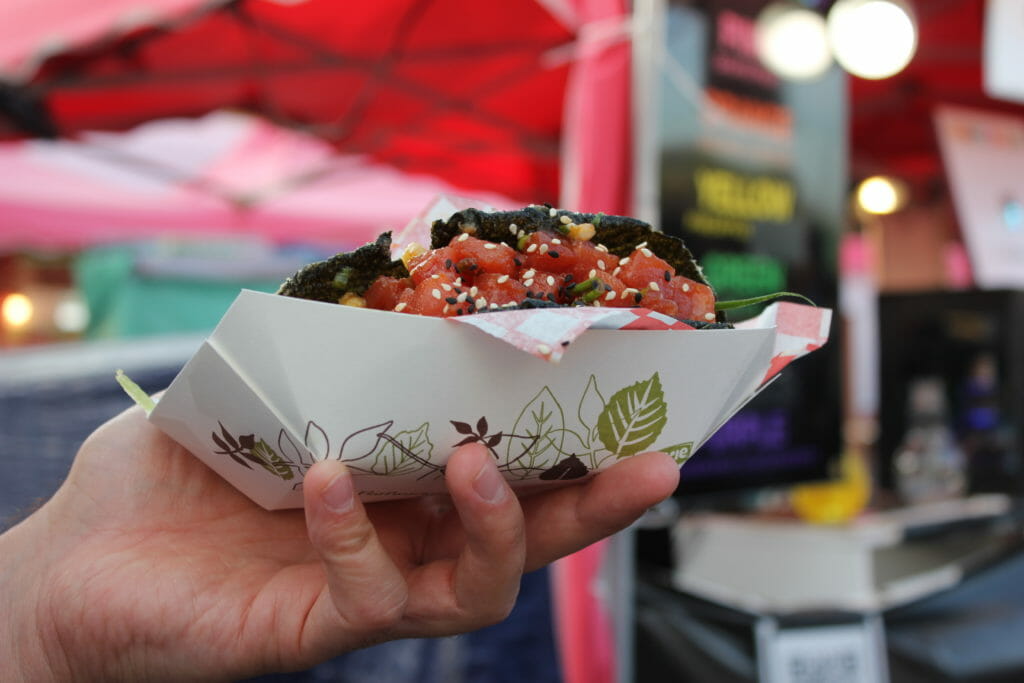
547, 333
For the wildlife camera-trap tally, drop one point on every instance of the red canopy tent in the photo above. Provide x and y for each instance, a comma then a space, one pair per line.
501, 97
529, 99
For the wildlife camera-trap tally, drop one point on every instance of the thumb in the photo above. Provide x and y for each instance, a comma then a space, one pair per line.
365, 592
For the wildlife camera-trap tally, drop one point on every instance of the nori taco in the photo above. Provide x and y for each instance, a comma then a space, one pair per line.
537, 256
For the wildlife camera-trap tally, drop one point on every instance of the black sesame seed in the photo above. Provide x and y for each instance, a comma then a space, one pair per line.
451, 300
553, 254
517, 262
568, 278
458, 311
447, 263
565, 343
668, 276
638, 297
551, 297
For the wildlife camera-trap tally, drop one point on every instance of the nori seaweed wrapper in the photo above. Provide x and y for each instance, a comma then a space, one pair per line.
352, 271
355, 271
620, 234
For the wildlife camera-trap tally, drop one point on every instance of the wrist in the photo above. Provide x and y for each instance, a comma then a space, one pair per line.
29, 649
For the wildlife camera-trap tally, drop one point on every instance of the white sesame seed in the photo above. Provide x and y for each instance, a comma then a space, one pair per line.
592, 273
544, 248
646, 252
552, 212
461, 298
528, 282
480, 303
624, 261
709, 316
642, 245
610, 296
551, 280
654, 286
556, 241
532, 248
617, 270
458, 282
601, 247
530, 273
565, 220
600, 264
400, 307
686, 287
521, 234
503, 279
463, 237
473, 291
513, 228
447, 308
446, 287
597, 303
494, 306
490, 245
435, 276
625, 293
543, 349
436, 293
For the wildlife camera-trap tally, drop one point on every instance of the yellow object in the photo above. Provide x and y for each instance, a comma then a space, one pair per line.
837, 501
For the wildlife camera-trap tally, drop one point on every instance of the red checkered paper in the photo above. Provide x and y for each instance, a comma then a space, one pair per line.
548, 332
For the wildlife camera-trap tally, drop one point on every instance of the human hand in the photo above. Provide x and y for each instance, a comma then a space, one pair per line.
146, 565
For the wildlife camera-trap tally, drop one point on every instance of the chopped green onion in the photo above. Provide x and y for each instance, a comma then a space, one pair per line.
342, 277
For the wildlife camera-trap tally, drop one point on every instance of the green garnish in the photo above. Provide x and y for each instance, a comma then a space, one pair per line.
753, 301
135, 392
585, 286
342, 277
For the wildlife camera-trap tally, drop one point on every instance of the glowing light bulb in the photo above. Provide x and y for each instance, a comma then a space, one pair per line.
872, 39
792, 41
880, 195
16, 310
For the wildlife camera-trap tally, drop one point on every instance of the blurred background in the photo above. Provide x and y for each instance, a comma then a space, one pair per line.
858, 521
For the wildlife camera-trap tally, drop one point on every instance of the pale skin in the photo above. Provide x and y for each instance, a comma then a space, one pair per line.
145, 565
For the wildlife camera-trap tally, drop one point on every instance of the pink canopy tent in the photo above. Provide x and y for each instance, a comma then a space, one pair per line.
404, 120
530, 103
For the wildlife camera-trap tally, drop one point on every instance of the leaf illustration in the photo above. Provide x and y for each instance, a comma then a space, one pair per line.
247, 440
542, 424
363, 443
680, 452
462, 427
241, 462
592, 403
274, 462
288, 450
227, 437
316, 441
569, 468
468, 439
220, 443
481, 426
493, 440
633, 418
396, 454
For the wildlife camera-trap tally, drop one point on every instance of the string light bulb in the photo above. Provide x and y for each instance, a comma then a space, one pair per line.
872, 39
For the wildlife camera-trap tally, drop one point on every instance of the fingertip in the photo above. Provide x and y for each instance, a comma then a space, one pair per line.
661, 470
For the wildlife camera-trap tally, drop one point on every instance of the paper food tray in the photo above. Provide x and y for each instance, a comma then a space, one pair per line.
282, 383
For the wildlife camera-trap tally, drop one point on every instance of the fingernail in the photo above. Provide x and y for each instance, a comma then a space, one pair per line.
339, 496
489, 483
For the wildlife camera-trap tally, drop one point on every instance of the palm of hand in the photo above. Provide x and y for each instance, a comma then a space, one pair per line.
149, 566
237, 577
